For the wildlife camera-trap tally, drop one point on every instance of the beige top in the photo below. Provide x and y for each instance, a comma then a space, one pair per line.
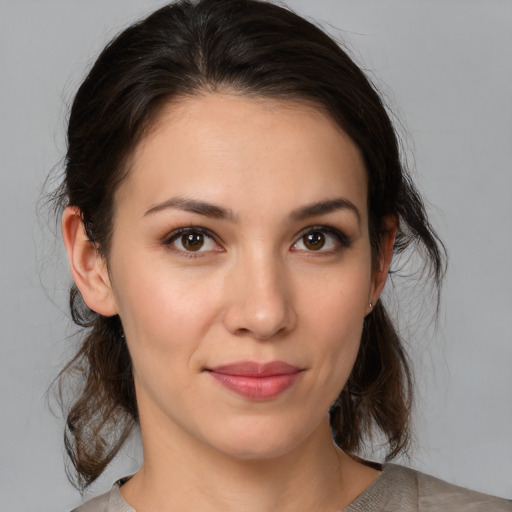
397, 489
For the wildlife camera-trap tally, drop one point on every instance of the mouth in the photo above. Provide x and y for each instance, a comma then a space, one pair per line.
256, 381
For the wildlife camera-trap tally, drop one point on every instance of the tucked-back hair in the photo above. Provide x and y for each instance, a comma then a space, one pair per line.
255, 49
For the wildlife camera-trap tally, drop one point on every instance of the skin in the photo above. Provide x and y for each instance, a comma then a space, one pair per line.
254, 291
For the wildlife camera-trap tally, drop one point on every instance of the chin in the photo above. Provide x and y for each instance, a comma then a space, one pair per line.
258, 440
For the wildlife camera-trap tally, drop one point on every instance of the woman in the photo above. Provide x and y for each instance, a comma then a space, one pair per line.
233, 202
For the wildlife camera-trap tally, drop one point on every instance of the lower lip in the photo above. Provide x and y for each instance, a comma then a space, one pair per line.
256, 388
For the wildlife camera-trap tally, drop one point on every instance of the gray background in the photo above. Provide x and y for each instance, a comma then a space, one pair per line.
446, 68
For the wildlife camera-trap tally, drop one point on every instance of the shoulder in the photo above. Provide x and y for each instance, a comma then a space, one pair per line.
426, 493
111, 501
98, 504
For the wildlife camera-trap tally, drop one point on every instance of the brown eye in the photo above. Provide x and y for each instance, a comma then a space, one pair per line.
192, 241
314, 240
321, 239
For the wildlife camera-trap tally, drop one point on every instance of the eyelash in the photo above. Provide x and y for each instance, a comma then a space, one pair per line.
177, 233
341, 239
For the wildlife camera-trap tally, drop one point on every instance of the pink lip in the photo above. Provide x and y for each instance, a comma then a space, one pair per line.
255, 380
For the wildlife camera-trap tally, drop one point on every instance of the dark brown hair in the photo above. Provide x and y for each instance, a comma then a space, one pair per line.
258, 49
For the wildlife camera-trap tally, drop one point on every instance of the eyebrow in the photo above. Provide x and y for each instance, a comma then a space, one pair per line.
218, 212
194, 206
325, 207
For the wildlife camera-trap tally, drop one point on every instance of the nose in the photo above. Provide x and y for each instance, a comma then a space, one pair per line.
259, 300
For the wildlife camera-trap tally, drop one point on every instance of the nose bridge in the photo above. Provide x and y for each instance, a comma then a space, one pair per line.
259, 301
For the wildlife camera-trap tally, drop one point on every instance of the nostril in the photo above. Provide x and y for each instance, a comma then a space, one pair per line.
261, 334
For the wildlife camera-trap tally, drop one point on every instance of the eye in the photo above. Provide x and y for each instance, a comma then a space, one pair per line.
191, 240
321, 239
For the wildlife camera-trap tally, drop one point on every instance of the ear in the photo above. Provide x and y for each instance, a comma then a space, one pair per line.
381, 267
88, 267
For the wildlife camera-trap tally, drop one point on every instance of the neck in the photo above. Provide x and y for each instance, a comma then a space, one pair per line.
188, 475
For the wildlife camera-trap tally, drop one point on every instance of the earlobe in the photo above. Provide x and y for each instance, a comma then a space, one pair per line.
88, 267
381, 270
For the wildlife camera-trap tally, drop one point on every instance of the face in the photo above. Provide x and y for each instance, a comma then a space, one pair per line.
241, 268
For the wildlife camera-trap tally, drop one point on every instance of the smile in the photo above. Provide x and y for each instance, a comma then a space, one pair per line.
254, 380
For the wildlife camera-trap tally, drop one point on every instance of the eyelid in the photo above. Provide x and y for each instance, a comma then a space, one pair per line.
171, 237
341, 238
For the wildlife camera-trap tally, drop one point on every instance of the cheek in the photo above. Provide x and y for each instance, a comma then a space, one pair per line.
338, 297
334, 314
165, 312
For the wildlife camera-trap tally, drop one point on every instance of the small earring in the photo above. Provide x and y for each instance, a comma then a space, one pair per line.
371, 305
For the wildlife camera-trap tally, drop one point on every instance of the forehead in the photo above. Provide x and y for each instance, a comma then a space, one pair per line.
229, 147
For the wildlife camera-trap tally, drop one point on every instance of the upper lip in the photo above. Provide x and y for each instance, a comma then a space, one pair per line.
255, 369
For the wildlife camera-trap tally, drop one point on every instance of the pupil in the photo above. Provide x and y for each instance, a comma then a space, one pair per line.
192, 241
314, 241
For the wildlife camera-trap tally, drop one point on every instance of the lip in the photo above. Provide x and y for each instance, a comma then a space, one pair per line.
256, 381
